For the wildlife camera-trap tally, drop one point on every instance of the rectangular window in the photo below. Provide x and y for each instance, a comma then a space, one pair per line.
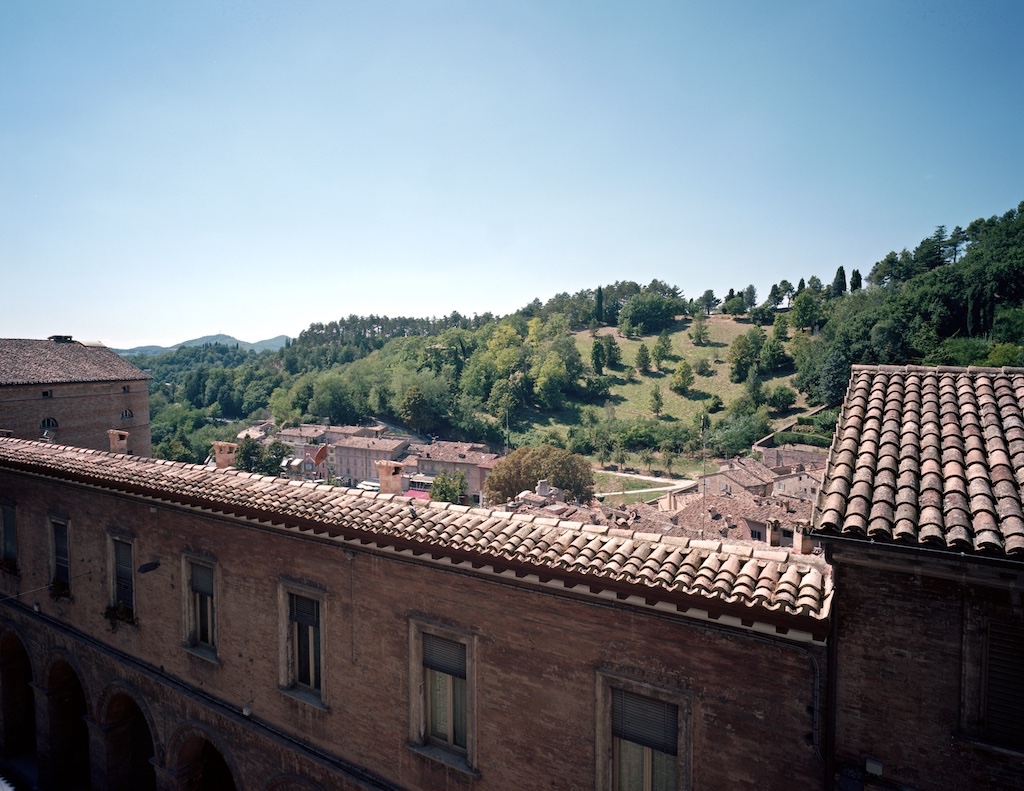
645, 735
61, 557
444, 666
1003, 719
201, 585
124, 593
10, 537
304, 617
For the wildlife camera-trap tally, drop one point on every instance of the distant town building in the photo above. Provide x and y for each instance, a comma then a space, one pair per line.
72, 393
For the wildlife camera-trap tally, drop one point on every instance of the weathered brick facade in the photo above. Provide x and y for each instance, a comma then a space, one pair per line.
546, 643
73, 394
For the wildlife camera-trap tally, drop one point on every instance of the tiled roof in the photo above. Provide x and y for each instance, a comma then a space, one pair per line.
375, 443
740, 579
30, 362
457, 452
930, 457
740, 504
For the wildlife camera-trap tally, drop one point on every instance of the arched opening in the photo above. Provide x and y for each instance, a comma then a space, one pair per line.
129, 744
205, 767
69, 734
19, 707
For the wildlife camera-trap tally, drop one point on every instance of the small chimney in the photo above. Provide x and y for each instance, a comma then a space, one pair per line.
389, 473
61, 339
224, 454
543, 488
118, 440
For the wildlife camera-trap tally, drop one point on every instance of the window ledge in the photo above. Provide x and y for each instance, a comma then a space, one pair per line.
980, 744
306, 696
204, 653
449, 758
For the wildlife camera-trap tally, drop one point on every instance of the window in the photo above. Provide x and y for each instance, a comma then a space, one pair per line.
1003, 717
645, 735
124, 591
10, 536
444, 670
201, 606
304, 636
441, 666
126, 413
47, 394
61, 584
642, 742
125, 388
47, 422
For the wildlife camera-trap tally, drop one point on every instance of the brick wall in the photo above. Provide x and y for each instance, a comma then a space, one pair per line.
751, 699
909, 658
83, 411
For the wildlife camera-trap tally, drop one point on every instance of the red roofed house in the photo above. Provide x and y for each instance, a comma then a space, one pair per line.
73, 393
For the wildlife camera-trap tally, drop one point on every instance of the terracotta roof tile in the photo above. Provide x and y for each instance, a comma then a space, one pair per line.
933, 456
639, 559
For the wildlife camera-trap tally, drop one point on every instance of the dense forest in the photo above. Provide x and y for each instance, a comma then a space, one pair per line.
545, 373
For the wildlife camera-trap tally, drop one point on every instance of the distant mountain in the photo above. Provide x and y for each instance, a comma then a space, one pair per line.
271, 344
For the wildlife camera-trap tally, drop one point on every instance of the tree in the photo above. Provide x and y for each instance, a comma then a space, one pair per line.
682, 378
780, 398
839, 283
668, 459
448, 487
248, 455
855, 280
643, 358
735, 306
251, 456
786, 290
743, 353
833, 378
662, 348
749, 296
780, 330
599, 304
521, 469
597, 357
775, 296
604, 453
620, 456
772, 356
612, 352
805, 312
762, 314
646, 456
656, 401
699, 330
708, 301
649, 312
416, 410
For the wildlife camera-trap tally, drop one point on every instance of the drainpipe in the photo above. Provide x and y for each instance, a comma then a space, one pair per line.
832, 676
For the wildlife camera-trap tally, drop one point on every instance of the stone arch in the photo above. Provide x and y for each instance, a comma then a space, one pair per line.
291, 783
131, 749
65, 759
18, 709
199, 759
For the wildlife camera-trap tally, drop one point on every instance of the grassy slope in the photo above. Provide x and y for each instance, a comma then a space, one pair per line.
632, 399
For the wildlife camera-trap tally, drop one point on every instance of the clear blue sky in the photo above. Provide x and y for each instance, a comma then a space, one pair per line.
176, 169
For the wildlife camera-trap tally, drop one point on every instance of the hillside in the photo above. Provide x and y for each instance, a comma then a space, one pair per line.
271, 344
530, 377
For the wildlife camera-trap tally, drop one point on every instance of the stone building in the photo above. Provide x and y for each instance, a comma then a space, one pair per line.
922, 520
73, 393
170, 626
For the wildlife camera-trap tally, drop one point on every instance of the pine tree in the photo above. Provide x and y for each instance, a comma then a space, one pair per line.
643, 358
